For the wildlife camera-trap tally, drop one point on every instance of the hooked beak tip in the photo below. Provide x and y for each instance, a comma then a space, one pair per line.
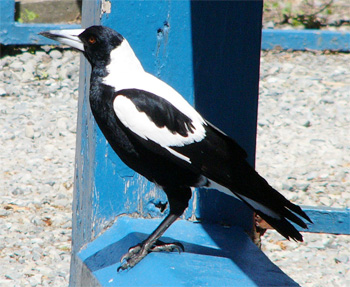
46, 34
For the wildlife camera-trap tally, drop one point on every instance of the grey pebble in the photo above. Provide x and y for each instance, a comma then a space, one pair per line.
55, 54
16, 65
27, 75
4, 213
342, 258
29, 131
25, 57
17, 191
289, 187
13, 275
326, 201
8, 74
30, 66
2, 91
302, 186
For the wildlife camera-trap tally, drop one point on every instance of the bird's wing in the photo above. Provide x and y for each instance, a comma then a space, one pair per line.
155, 119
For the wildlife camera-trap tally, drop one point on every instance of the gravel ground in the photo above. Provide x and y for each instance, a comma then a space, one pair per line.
38, 122
303, 149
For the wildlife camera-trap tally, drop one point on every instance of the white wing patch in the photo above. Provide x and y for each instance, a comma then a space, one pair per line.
140, 124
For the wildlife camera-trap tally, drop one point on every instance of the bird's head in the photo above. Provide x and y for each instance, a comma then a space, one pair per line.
96, 42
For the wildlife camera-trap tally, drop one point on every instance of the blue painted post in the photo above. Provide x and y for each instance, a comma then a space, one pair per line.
209, 52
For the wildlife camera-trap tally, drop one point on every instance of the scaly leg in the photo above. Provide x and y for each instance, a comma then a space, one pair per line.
178, 200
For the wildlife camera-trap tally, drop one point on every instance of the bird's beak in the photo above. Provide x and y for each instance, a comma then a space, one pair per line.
67, 37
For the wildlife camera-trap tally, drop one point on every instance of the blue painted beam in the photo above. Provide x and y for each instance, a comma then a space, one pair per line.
14, 33
27, 34
328, 220
306, 39
214, 256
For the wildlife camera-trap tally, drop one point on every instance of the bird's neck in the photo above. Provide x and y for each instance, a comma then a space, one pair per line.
121, 71
123, 66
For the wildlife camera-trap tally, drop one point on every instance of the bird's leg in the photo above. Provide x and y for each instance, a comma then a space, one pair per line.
178, 201
138, 252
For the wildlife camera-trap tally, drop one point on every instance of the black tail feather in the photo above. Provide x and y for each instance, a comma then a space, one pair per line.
297, 209
283, 212
283, 226
289, 209
292, 217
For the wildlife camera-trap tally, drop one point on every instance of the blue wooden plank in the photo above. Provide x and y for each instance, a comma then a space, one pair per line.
14, 33
328, 219
214, 256
27, 34
306, 39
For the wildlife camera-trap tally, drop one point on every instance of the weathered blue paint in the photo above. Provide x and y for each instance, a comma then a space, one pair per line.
117, 189
214, 256
306, 39
14, 33
328, 219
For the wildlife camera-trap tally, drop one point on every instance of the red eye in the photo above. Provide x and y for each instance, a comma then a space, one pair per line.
92, 40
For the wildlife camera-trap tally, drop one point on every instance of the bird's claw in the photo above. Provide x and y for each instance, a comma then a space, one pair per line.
132, 251
138, 252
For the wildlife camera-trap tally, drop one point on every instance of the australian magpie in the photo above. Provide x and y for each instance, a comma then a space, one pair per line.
161, 136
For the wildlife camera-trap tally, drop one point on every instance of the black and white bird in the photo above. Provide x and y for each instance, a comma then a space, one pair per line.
156, 132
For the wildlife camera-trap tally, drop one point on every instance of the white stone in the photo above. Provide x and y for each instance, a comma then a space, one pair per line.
29, 131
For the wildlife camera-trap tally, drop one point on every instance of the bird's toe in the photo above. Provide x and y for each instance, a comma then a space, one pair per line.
134, 256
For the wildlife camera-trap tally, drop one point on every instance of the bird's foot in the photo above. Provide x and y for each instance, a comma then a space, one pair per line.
138, 252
